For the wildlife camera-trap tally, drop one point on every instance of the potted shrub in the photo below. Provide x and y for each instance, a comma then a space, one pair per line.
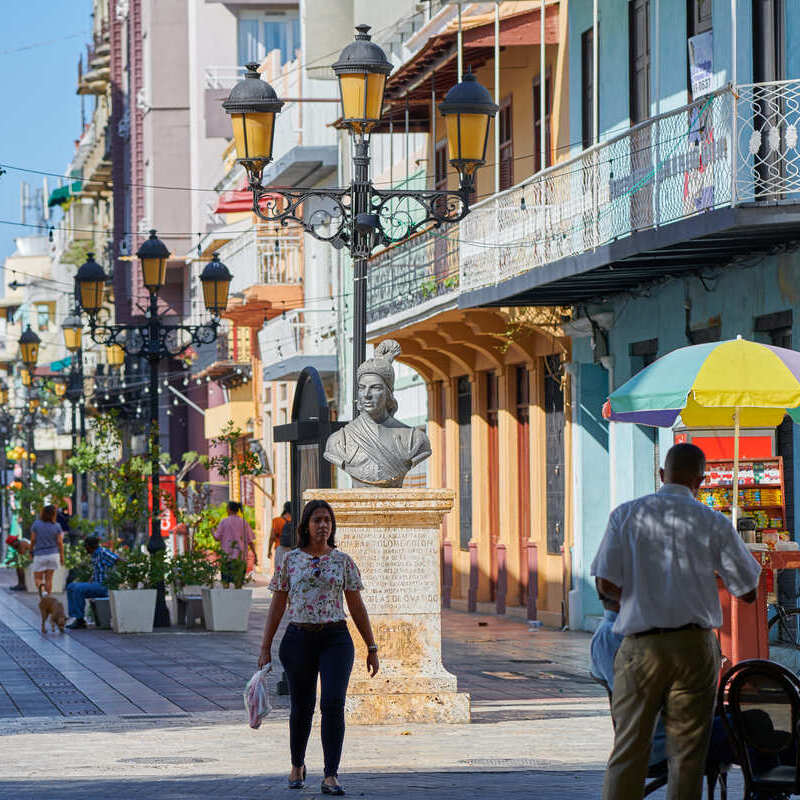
132, 593
190, 572
227, 609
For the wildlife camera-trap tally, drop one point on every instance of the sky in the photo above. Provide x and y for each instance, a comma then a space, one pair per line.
41, 114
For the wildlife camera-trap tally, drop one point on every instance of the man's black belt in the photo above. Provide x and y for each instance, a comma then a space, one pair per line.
692, 626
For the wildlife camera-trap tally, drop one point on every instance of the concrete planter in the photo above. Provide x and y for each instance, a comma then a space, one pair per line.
226, 609
59, 579
132, 610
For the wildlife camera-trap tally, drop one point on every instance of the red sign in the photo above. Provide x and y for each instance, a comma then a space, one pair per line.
166, 485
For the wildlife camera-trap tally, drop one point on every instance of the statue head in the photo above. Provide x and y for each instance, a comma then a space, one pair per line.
374, 373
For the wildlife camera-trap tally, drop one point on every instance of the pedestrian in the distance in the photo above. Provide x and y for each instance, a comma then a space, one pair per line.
310, 584
659, 560
47, 546
235, 538
282, 535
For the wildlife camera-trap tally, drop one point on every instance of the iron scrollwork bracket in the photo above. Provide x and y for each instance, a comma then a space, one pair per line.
329, 220
157, 342
400, 212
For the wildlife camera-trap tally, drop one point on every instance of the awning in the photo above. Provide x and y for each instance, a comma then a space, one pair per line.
63, 193
290, 368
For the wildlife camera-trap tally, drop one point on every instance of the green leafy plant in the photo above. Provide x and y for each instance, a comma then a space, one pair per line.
191, 569
77, 559
139, 571
123, 484
49, 486
239, 457
428, 287
234, 568
451, 282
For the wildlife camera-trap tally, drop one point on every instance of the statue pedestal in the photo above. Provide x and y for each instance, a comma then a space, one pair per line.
393, 536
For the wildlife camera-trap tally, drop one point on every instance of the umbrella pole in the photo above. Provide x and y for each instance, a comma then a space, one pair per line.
735, 508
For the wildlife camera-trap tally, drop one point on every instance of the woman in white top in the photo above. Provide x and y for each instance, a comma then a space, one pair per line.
309, 586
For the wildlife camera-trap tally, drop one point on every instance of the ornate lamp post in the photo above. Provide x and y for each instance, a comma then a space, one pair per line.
72, 328
29, 353
154, 340
6, 429
360, 216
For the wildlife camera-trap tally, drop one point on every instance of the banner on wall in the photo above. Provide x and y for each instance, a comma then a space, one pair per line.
701, 62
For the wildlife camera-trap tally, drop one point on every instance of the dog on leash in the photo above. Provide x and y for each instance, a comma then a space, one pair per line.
49, 606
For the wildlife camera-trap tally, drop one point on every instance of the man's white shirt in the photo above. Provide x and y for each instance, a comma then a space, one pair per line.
665, 550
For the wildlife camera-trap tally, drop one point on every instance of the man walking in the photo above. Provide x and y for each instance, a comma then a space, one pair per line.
282, 536
659, 559
103, 561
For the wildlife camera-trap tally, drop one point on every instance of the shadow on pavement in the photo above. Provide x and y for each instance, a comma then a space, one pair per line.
545, 785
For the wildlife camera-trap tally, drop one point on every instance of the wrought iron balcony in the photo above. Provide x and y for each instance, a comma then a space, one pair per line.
734, 147
415, 272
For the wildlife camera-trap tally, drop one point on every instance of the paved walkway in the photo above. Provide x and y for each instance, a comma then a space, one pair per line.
93, 715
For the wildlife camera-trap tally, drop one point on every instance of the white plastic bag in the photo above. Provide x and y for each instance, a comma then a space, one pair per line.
256, 697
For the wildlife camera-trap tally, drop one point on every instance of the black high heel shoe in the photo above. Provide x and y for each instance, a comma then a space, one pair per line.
298, 784
337, 790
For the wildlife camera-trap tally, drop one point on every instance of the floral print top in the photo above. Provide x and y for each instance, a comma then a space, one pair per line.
315, 585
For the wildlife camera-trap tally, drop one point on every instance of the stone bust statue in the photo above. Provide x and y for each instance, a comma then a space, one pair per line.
375, 449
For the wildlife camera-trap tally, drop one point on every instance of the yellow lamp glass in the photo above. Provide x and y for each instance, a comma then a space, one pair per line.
215, 295
30, 353
466, 139
91, 295
72, 338
3, 396
252, 135
33, 404
25, 377
154, 273
115, 355
60, 388
362, 98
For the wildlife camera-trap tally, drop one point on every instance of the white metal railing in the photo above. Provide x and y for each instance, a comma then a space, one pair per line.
261, 256
733, 146
222, 77
298, 332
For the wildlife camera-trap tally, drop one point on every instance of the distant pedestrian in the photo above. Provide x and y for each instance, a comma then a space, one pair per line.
310, 584
63, 519
659, 559
103, 561
17, 547
47, 546
282, 535
235, 538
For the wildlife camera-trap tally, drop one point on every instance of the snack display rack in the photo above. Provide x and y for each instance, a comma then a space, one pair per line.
761, 493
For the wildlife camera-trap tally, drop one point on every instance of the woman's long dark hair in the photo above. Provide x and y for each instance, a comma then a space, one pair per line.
303, 536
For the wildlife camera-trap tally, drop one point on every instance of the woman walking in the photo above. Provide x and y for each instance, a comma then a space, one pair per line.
310, 583
47, 546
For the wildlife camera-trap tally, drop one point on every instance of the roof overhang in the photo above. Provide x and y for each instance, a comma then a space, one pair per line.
290, 368
302, 166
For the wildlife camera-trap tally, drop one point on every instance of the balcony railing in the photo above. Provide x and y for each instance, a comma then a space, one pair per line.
412, 273
730, 147
261, 256
309, 332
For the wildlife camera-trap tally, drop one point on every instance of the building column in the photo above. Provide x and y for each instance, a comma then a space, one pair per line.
507, 488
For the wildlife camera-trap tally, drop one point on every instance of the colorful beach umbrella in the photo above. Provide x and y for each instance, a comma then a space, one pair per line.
731, 384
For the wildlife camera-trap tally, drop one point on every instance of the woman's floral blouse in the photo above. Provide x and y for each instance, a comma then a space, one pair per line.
315, 585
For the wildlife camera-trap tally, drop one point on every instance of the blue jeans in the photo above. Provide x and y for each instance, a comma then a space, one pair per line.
305, 654
78, 593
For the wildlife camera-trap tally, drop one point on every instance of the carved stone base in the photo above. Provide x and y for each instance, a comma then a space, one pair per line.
393, 536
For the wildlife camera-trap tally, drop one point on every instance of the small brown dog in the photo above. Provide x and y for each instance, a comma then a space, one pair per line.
49, 606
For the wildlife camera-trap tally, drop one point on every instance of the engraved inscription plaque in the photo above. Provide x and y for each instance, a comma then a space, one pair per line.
399, 574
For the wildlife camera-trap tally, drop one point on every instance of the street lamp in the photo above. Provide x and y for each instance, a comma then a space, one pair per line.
72, 328
154, 340
29, 348
362, 217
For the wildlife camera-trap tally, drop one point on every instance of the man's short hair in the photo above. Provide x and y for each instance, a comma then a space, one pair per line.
687, 460
91, 542
287, 508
